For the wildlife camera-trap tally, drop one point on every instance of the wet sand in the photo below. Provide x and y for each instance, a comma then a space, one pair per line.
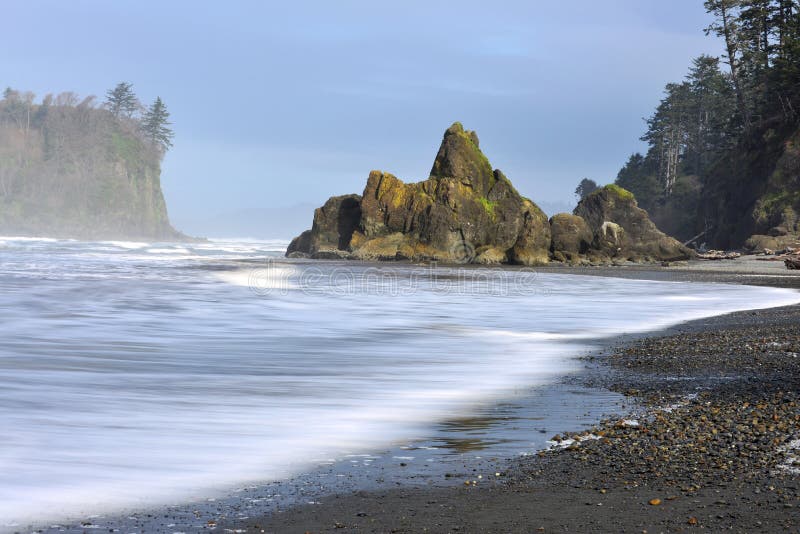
709, 446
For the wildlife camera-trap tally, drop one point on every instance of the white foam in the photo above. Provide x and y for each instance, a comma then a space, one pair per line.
261, 279
131, 245
29, 239
564, 443
176, 250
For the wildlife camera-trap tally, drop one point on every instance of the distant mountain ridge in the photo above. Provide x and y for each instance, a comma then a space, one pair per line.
71, 169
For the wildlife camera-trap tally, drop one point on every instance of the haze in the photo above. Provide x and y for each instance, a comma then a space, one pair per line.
278, 106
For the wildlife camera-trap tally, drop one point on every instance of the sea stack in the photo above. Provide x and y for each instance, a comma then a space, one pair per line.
467, 212
464, 212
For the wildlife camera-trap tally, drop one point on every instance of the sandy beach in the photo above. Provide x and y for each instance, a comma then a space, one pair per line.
709, 444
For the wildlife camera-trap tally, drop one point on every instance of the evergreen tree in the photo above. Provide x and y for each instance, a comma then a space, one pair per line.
121, 100
667, 133
155, 125
727, 25
715, 135
639, 177
585, 188
710, 114
691, 125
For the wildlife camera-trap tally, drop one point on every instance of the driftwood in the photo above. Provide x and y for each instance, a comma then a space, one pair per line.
718, 255
695, 238
793, 264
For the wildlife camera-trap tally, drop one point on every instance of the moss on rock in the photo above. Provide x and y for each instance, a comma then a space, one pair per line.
611, 209
460, 157
466, 211
464, 204
619, 192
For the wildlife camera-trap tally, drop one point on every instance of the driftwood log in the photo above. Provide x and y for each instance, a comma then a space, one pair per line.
793, 263
718, 255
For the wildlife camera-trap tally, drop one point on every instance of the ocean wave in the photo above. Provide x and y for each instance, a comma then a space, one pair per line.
29, 239
176, 250
126, 244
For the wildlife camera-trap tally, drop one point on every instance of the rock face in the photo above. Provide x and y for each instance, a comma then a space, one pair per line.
753, 194
571, 237
334, 224
776, 224
623, 231
464, 212
460, 157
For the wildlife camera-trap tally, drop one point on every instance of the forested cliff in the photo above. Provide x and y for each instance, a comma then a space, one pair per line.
72, 168
724, 143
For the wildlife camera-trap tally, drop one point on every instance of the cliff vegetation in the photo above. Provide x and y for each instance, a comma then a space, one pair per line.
723, 163
72, 168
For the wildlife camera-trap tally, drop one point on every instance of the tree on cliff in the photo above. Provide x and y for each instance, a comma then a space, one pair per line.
585, 188
69, 168
693, 123
638, 176
727, 26
155, 125
121, 100
18, 106
716, 135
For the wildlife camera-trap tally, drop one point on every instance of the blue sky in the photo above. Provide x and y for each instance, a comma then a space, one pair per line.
284, 104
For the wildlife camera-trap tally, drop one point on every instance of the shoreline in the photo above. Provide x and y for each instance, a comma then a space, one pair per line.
221, 512
609, 483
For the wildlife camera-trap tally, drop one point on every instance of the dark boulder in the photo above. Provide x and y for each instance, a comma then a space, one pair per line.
334, 224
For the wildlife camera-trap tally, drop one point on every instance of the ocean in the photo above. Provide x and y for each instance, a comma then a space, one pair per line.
137, 375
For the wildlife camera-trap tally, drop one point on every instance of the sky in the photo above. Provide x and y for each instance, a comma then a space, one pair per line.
278, 105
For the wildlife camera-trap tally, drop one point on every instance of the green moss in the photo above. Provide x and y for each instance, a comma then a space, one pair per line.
619, 192
489, 207
774, 203
467, 136
127, 148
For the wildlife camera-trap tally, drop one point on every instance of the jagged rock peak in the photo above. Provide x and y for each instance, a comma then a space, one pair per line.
460, 157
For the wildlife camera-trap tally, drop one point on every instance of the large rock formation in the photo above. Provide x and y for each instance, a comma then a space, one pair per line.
623, 231
468, 213
464, 212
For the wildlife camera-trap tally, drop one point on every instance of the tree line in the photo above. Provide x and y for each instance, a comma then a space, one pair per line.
67, 159
151, 123
737, 102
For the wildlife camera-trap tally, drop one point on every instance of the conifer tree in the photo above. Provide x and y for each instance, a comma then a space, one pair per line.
155, 125
585, 188
121, 100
